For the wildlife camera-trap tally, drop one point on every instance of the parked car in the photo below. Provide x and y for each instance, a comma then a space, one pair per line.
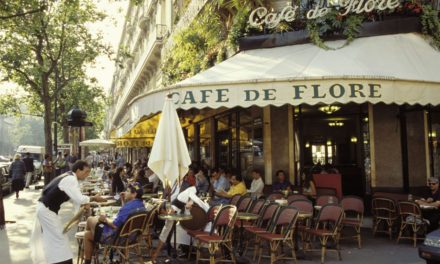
5, 180
430, 249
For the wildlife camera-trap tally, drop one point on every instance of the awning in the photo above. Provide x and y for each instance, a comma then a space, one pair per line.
400, 69
141, 135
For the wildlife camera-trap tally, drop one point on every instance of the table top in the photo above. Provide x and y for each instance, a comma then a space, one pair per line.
317, 207
247, 216
430, 207
175, 217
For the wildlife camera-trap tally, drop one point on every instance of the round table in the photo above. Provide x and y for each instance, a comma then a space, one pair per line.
175, 218
243, 216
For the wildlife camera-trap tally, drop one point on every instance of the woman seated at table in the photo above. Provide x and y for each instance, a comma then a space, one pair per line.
307, 184
431, 199
282, 183
132, 202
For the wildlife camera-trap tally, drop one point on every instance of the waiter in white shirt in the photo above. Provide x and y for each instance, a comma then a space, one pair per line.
48, 244
257, 184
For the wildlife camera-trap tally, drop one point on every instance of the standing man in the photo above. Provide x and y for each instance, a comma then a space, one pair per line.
29, 164
48, 228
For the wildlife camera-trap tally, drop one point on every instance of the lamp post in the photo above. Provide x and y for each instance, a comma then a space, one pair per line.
76, 119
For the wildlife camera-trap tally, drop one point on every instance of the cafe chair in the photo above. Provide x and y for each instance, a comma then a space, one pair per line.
193, 231
354, 214
281, 233
295, 196
263, 224
220, 236
275, 196
384, 213
327, 226
325, 191
411, 219
128, 237
244, 204
235, 200
304, 206
148, 230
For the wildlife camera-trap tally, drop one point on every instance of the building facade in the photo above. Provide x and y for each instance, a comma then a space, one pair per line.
368, 110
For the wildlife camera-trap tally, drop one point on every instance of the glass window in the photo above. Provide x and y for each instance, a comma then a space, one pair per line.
205, 142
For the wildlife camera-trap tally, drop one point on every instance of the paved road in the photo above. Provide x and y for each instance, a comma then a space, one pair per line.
15, 239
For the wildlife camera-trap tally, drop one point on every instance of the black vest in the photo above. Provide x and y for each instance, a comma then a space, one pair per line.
52, 196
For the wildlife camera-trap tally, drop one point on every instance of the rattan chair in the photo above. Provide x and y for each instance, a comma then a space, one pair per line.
384, 212
411, 219
354, 215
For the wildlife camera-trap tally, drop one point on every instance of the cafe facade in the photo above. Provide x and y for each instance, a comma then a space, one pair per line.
369, 110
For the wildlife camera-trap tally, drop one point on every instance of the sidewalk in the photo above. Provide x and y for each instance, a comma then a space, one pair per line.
14, 240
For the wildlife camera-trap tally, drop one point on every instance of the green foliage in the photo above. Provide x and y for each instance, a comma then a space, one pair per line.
334, 24
431, 25
46, 52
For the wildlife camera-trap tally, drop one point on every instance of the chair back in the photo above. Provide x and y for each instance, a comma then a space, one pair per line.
224, 221
324, 199
303, 205
131, 230
331, 216
244, 204
267, 215
150, 219
235, 199
257, 206
383, 207
353, 203
326, 191
285, 221
275, 196
296, 196
409, 209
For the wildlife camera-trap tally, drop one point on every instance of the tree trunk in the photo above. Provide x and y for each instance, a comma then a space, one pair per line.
47, 123
65, 131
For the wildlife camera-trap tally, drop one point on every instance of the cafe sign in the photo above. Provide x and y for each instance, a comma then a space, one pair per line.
262, 17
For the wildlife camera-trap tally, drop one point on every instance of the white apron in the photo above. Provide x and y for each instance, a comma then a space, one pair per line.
48, 244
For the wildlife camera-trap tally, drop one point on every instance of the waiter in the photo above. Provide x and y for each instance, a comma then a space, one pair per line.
48, 230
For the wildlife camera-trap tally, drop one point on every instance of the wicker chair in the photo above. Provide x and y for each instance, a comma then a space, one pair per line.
384, 212
412, 220
354, 215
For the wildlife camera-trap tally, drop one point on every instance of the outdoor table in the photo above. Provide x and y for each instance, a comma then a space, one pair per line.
175, 218
242, 216
149, 195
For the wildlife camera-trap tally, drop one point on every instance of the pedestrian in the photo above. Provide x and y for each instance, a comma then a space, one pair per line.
30, 168
17, 169
59, 164
48, 243
47, 169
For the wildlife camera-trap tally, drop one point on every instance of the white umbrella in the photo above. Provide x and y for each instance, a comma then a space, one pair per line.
97, 143
169, 157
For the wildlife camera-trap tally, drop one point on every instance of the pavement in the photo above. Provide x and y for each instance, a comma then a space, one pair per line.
14, 240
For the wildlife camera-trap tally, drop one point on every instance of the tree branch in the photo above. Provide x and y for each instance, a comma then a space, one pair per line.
22, 14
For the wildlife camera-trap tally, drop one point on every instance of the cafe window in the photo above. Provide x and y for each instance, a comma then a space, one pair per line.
190, 140
205, 142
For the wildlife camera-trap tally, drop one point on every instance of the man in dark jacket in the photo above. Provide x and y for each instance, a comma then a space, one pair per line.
29, 164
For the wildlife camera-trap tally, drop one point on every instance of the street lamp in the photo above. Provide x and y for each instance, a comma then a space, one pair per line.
77, 118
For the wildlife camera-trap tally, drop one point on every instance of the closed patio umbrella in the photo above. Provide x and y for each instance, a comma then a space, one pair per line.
169, 157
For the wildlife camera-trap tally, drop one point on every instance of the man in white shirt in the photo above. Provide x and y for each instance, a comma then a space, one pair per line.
48, 228
257, 184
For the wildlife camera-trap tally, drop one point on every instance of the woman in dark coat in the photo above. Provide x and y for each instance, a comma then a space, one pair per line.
17, 171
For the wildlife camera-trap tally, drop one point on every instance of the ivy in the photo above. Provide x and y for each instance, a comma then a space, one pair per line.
431, 25
334, 24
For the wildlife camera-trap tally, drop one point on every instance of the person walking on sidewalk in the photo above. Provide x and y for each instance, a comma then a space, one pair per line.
47, 169
48, 244
29, 163
17, 170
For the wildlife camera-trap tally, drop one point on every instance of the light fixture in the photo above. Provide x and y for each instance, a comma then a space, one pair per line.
329, 142
307, 145
366, 119
329, 109
353, 139
336, 123
432, 134
366, 142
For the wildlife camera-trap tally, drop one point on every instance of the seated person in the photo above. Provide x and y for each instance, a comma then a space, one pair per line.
431, 199
308, 186
132, 202
282, 183
237, 187
202, 183
257, 184
218, 182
